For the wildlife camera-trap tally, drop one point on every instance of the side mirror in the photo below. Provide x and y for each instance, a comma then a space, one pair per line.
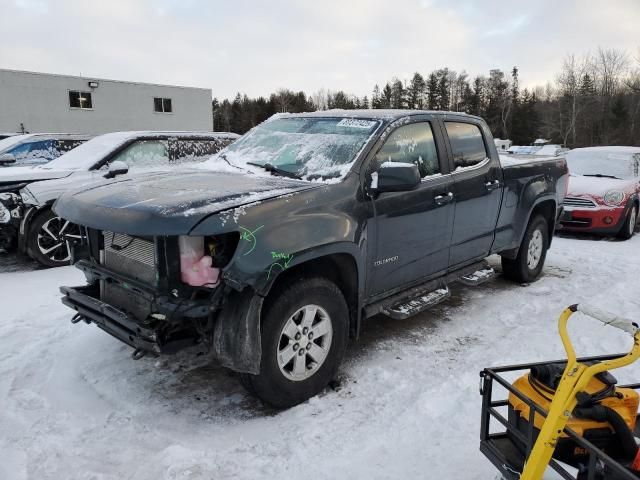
7, 158
117, 168
395, 177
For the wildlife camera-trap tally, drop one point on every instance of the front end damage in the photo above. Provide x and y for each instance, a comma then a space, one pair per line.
138, 291
11, 212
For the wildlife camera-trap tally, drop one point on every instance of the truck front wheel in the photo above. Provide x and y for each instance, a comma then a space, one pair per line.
527, 266
304, 337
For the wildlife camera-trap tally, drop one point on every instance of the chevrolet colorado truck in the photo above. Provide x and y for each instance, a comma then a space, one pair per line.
274, 251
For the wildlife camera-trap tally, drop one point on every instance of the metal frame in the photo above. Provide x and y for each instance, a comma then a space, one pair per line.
489, 441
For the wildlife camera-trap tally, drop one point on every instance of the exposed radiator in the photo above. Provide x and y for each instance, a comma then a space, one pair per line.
133, 257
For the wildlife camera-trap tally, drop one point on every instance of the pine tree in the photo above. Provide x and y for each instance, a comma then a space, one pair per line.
397, 94
365, 102
375, 97
443, 89
476, 107
385, 100
415, 92
432, 92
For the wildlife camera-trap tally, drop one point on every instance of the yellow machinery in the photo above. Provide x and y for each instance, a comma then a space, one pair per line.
588, 419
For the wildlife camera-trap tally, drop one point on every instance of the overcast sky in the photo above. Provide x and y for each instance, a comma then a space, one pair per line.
259, 46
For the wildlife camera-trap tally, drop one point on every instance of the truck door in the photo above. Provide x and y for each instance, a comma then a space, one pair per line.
477, 189
412, 229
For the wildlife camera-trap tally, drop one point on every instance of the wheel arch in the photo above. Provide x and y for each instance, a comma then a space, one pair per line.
545, 206
339, 267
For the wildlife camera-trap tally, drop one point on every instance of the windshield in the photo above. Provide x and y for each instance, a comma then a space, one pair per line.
7, 143
622, 165
306, 147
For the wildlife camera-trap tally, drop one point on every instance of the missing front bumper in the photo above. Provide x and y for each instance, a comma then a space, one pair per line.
149, 337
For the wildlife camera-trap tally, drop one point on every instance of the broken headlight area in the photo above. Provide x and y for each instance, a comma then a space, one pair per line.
202, 258
157, 294
10, 207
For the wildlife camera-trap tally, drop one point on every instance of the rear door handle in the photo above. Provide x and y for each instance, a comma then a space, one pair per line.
444, 199
492, 185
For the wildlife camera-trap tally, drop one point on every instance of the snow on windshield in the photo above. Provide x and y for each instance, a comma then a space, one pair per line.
7, 143
617, 163
313, 148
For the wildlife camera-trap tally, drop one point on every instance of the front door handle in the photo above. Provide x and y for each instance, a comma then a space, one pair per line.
444, 199
492, 185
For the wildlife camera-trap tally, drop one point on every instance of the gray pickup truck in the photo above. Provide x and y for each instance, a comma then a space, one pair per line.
275, 251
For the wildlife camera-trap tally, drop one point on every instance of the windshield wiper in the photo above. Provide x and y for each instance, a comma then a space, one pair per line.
600, 175
275, 170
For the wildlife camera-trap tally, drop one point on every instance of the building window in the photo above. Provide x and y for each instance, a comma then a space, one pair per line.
80, 100
162, 105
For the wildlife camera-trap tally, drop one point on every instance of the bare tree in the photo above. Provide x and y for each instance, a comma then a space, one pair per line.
568, 81
320, 99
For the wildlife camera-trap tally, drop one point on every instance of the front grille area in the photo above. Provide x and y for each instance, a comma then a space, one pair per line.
579, 202
577, 223
131, 256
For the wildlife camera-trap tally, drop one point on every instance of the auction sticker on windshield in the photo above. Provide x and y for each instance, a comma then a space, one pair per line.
353, 123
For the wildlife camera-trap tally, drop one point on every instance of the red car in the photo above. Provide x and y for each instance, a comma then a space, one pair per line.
603, 192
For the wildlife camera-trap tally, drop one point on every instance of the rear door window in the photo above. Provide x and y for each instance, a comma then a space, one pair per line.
467, 144
413, 143
196, 150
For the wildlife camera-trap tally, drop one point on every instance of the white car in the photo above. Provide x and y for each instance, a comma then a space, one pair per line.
26, 219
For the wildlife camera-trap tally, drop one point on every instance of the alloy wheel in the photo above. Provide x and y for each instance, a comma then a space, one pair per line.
304, 342
53, 239
534, 252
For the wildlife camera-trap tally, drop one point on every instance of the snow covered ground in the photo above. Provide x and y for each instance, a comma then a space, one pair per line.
73, 405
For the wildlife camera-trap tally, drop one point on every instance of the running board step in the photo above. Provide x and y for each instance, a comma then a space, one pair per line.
478, 277
418, 304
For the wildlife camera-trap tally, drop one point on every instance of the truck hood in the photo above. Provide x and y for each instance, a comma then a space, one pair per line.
30, 174
597, 187
168, 203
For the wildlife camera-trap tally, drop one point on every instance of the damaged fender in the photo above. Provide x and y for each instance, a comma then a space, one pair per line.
236, 338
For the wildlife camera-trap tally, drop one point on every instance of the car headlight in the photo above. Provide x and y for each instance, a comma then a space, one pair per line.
27, 197
613, 198
5, 214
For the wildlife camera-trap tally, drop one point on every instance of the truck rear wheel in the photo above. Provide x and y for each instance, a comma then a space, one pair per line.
304, 337
527, 266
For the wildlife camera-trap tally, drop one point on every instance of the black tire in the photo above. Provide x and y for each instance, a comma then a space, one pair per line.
629, 226
43, 233
520, 269
272, 385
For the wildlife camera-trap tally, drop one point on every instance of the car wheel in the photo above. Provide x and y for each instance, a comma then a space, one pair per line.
629, 227
304, 337
527, 266
48, 239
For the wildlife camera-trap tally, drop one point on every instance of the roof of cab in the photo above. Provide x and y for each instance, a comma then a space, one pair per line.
381, 114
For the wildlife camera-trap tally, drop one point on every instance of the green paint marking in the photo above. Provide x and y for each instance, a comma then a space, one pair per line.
284, 259
249, 236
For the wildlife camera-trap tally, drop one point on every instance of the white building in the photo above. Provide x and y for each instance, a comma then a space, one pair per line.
502, 145
41, 102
